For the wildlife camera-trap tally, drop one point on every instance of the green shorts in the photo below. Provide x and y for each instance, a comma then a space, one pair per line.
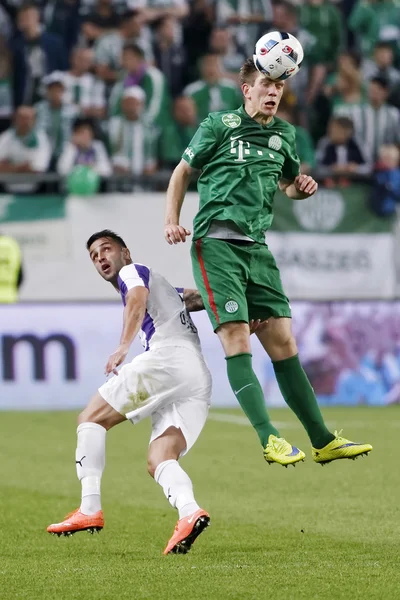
238, 282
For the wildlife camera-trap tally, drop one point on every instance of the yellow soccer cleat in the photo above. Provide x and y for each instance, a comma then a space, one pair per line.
280, 451
340, 448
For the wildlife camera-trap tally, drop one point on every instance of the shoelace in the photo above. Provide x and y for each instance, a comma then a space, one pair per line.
280, 444
338, 435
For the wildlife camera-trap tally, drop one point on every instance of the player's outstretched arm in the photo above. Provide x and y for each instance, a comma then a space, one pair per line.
302, 187
134, 311
177, 188
193, 300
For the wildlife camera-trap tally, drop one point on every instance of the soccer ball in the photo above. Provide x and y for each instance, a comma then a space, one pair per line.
278, 55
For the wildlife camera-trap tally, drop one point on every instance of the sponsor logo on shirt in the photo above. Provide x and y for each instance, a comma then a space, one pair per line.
231, 120
231, 306
275, 142
190, 153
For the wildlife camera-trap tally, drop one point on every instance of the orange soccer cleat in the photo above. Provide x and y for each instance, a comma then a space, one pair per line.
77, 521
186, 532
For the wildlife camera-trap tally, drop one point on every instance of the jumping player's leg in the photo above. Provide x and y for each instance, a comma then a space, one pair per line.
220, 270
93, 423
175, 429
277, 339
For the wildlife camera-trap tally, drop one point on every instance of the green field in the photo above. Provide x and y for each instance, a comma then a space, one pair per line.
328, 532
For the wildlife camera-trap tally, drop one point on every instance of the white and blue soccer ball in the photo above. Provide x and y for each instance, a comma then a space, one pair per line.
278, 55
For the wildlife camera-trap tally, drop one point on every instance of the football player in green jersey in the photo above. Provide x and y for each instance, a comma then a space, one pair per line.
244, 155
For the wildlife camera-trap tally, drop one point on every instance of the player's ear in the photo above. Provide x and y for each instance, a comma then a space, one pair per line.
126, 255
246, 90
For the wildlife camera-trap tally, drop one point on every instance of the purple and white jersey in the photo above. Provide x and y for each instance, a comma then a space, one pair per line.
166, 321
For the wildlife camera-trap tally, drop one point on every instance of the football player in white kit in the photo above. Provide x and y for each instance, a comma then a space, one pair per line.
169, 382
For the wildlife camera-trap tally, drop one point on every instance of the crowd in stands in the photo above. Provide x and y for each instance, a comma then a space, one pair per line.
121, 85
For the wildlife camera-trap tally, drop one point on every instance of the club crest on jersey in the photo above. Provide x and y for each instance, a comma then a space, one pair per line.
275, 142
231, 306
231, 120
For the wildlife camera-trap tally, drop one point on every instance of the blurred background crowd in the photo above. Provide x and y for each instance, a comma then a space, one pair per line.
121, 85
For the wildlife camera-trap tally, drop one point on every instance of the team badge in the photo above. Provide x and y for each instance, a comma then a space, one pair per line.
231, 120
231, 306
275, 142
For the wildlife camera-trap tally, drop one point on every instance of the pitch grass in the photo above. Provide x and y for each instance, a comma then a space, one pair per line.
284, 534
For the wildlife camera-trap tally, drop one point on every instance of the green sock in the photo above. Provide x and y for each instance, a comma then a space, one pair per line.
299, 396
248, 391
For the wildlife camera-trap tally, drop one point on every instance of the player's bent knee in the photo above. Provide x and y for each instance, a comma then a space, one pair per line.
234, 337
100, 412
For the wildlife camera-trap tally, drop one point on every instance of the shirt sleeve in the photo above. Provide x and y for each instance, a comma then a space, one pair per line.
202, 146
132, 276
291, 167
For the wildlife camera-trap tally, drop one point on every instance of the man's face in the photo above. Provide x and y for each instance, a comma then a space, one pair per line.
24, 120
185, 111
83, 137
132, 108
377, 94
220, 40
55, 93
132, 27
211, 69
82, 60
108, 257
264, 95
28, 20
338, 134
383, 57
283, 19
131, 62
167, 30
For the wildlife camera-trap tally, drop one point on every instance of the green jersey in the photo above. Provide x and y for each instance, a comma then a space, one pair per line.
242, 163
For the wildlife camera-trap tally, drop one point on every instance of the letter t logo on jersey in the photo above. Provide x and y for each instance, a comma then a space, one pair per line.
240, 148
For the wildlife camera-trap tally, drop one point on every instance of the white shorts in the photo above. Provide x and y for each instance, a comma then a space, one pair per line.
171, 384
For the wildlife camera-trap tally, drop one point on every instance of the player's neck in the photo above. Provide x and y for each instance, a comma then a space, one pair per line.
257, 116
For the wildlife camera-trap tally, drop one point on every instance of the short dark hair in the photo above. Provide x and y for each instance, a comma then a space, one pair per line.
385, 45
27, 6
84, 122
128, 15
248, 72
107, 233
288, 6
381, 81
344, 122
132, 47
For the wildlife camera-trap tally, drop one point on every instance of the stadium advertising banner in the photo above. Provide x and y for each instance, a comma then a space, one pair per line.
52, 356
328, 247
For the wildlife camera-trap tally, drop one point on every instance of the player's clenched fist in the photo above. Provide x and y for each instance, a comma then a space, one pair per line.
175, 234
306, 184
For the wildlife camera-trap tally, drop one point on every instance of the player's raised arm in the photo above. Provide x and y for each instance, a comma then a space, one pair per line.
302, 187
177, 189
134, 312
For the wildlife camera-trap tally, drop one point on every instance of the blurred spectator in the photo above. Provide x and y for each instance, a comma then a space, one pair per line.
304, 143
346, 87
82, 89
132, 140
84, 149
221, 43
90, 32
24, 149
11, 274
339, 150
196, 34
375, 122
61, 17
322, 20
108, 49
213, 92
152, 11
375, 21
139, 73
35, 54
382, 64
385, 192
249, 20
54, 115
169, 55
104, 14
179, 131
6, 103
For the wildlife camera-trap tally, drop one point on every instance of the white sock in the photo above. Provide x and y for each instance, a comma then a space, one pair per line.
90, 461
177, 487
